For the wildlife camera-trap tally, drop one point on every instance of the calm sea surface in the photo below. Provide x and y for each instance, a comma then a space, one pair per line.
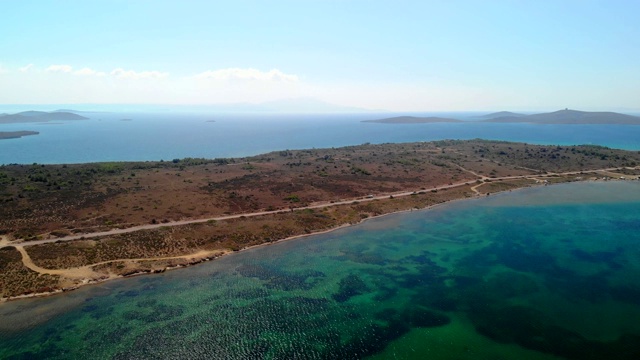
540, 273
106, 137
543, 273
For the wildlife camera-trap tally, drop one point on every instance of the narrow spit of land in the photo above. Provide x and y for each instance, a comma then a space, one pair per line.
69, 225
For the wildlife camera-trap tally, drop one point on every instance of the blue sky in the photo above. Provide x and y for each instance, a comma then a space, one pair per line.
394, 55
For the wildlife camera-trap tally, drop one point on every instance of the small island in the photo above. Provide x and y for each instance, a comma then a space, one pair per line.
16, 134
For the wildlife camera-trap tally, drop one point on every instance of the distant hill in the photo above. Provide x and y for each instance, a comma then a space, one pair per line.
501, 114
571, 117
413, 120
38, 116
16, 134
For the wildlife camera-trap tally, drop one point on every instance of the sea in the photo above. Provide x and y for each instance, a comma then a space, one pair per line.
547, 272
119, 136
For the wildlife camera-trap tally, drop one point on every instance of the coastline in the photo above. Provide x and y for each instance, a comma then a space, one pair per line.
333, 189
195, 260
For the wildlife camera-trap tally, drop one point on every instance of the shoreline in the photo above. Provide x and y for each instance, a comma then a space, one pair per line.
196, 261
197, 258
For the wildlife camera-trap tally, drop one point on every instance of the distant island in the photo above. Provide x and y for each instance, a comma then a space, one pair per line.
501, 114
16, 134
413, 120
38, 116
565, 116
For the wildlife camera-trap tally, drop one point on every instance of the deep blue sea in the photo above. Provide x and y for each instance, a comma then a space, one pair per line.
156, 136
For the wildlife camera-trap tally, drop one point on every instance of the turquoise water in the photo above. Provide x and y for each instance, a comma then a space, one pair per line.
542, 273
167, 136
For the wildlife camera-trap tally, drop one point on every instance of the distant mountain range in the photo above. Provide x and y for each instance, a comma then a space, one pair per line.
557, 117
38, 116
412, 120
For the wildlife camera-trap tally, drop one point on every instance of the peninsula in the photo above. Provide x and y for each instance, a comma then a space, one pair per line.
16, 134
62, 226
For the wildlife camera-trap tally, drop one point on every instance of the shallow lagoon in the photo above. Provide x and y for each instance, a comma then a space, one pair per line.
542, 273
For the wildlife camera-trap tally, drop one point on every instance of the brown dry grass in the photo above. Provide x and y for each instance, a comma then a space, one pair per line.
57, 200
17, 279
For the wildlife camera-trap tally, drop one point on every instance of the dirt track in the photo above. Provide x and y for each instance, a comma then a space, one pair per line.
4, 242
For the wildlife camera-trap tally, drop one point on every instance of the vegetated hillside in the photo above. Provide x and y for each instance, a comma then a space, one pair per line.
38, 116
542, 158
413, 120
571, 117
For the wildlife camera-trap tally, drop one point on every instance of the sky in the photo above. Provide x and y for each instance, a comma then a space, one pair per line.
394, 55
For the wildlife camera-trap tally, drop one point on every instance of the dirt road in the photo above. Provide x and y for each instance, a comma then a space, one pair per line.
4, 242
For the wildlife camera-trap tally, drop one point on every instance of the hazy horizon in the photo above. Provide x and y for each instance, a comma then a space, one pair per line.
410, 56
263, 108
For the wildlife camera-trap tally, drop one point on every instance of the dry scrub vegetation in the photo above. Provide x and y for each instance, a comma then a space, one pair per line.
51, 201
17, 279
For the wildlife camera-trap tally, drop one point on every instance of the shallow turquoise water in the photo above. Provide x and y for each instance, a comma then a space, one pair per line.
541, 273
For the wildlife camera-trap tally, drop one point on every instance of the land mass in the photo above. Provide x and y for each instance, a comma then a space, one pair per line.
16, 134
501, 114
62, 226
566, 117
413, 120
38, 116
